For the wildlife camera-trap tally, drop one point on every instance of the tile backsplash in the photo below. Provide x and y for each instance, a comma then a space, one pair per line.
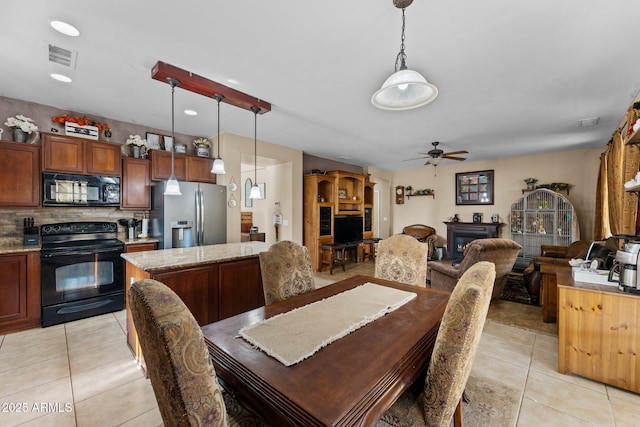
11, 220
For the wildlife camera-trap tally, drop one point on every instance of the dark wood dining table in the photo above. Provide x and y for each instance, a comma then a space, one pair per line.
350, 382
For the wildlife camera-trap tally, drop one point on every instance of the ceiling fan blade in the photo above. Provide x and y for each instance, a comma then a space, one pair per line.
453, 158
415, 158
456, 152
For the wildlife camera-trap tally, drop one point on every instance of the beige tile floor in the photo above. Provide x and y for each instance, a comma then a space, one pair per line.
82, 374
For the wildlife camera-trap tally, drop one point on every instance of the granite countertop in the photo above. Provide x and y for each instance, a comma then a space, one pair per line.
12, 245
139, 241
178, 258
12, 249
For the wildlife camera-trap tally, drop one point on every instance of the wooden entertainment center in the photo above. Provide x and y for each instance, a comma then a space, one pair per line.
331, 194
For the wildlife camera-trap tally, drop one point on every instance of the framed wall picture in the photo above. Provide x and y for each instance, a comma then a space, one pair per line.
159, 142
474, 188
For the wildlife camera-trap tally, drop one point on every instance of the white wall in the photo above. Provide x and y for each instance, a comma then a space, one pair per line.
283, 180
278, 188
579, 168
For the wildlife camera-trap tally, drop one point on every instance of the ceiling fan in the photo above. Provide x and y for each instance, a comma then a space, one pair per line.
435, 155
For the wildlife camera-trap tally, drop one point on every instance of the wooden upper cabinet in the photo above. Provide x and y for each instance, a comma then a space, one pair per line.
161, 165
136, 185
20, 176
102, 158
187, 167
199, 169
62, 153
70, 154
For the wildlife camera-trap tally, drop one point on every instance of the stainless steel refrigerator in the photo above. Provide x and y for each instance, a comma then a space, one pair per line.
198, 217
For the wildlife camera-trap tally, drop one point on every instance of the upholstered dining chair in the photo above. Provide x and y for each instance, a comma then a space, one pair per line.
501, 252
286, 271
402, 258
177, 360
452, 357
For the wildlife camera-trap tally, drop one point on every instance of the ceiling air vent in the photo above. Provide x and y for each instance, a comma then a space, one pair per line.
62, 56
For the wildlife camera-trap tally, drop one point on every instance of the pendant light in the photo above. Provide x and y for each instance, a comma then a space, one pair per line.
218, 163
404, 89
172, 187
255, 190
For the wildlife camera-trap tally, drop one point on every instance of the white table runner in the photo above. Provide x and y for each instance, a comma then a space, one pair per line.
297, 334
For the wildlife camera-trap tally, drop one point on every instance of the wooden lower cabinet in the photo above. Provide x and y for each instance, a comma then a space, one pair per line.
549, 293
19, 291
211, 292
599, 334
197, 288
239, 287
140, 247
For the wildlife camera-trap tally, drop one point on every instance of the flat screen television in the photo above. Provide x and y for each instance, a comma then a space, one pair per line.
347, 229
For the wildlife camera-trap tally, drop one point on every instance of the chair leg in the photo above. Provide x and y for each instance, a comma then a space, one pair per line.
343, 269
331, 256
458, 421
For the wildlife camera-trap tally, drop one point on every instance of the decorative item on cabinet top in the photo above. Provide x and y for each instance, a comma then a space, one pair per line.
203, 147
555, 186
410, 192
22, 126
82, 126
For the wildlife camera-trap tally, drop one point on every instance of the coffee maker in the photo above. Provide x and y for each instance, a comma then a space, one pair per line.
626, 266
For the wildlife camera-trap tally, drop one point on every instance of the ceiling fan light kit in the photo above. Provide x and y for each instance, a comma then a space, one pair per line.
405, 89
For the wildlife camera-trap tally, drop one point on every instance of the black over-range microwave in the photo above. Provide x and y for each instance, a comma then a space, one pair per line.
61, 189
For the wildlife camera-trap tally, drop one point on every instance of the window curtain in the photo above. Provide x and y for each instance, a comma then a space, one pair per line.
601, 223
618, 165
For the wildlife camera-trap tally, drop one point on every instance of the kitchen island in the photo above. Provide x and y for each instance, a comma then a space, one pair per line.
214, 281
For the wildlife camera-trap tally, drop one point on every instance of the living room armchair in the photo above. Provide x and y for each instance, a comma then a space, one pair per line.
423, 233
501, 252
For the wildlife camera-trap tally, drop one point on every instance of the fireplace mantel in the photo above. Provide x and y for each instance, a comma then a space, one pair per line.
468, 231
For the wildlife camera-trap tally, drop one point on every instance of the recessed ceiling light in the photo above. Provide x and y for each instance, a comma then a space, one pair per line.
64, 28
232, 81
190, 113
592, 121
60, 78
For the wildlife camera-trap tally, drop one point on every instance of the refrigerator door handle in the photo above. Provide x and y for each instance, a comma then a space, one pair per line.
198, 210
201, 217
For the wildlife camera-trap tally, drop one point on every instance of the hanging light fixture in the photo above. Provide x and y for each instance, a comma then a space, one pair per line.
218, 163
255, 190
404, 89
172, 187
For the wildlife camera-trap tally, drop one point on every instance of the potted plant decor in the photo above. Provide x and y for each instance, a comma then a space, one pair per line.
203, 147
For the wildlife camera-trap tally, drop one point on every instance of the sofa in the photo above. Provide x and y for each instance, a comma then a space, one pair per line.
501, 252
423, 233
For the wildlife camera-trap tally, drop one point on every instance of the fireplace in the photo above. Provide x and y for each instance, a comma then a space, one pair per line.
459, 234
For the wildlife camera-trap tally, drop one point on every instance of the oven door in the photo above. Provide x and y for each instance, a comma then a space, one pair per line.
78, 274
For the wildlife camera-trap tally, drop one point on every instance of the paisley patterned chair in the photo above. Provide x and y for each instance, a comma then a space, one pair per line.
181, 373
402, 258
286, 271
501, 252
452, 357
